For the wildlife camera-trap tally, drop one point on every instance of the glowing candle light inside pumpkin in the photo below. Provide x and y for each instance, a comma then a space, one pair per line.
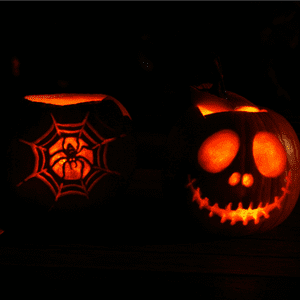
269, 154
218, 151
247, 180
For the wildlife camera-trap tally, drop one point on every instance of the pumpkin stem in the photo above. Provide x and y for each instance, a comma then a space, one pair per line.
215, 84
218, 87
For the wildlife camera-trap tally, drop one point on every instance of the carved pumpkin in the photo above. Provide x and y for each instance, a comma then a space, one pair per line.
239, 164
69, 152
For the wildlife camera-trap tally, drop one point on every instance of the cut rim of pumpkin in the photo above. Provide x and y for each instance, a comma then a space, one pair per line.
240, 214
73, 98
65, 99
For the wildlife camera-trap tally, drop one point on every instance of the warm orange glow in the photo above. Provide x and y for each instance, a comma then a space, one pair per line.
212, 108
65, 99
58, 168
71, 99
249, 109
71, 158
73, 169
75, 156
86, 153
218, 151
269, 154
56, 147
247, 180
240, 214
216, 107
234, 179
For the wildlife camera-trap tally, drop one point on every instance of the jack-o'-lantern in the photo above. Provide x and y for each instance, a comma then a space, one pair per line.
69, 153
238, 164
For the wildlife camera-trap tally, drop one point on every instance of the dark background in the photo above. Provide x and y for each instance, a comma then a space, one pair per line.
105, 47
146, 54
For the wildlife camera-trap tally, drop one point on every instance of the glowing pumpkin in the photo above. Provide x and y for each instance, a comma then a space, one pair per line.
239, 165
69, 152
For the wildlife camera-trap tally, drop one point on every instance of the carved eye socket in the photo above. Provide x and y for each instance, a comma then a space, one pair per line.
269, 154
218, 151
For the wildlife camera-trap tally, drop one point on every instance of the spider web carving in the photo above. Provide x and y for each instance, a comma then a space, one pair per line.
93, 143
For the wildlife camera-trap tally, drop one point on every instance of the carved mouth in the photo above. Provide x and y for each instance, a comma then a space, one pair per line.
240, 214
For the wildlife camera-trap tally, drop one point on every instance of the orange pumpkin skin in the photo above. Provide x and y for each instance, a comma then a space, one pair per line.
238, 165
70, 154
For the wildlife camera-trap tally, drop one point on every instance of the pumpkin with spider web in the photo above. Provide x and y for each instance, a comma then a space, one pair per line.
69, 152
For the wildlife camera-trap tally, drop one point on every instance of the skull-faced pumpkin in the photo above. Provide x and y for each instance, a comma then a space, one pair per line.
240, 165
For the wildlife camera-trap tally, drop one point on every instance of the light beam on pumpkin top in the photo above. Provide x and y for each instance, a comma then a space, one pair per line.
212, 108
249, 109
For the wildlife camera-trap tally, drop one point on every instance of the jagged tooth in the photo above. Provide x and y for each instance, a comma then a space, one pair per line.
206, 200
228, 207
245, 222
233, 221
259, 205
214, 207
288, 178
189, 180
285, 190
250, 206
240, 205
223, 219
190, 183
267, 216
277, 202
211, 214
256, 221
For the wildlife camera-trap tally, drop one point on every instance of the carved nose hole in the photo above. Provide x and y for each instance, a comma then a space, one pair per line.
247, 180
234, 179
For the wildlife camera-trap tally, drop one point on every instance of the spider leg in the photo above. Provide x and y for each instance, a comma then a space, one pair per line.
64, 169
61, 156
86, 160
75, 161
81, 171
